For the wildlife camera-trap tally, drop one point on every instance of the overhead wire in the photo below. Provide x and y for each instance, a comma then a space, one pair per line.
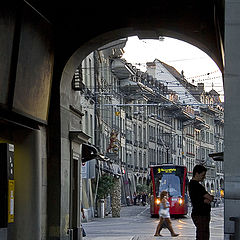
169, 86
183, 93
107, 106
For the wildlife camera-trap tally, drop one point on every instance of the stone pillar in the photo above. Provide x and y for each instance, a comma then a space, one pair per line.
28, 185
116, 198
232, 116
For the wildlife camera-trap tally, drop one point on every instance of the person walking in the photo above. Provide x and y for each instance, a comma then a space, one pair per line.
83, 216
164, 215
201, 203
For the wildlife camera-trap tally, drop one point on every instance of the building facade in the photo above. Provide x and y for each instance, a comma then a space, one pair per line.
137, 119
203, 132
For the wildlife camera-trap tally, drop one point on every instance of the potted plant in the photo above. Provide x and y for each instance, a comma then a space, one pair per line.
105, 185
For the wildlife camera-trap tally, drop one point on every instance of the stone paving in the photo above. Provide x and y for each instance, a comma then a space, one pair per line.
135, 223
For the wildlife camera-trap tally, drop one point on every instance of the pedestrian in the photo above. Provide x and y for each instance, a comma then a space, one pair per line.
201, 203
82, 211
164, 215
128, 200
144, 198
83, 216
139, 198
134, 198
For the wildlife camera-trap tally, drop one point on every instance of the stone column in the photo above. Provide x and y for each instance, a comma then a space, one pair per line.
116, 198
28, 185
232, 116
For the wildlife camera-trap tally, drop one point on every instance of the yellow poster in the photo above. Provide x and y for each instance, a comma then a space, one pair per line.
10, 201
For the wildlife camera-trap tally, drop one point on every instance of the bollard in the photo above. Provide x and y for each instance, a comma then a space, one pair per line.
101, 208
236, 234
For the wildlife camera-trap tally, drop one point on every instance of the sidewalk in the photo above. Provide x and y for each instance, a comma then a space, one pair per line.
166, 236
142, 227
148, 237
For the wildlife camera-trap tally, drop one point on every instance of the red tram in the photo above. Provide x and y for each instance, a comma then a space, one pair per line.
173, 179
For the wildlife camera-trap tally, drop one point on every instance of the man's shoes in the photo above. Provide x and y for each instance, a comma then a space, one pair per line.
175, 235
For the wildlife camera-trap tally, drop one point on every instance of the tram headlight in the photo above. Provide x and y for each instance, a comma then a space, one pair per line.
157, 201
180, 201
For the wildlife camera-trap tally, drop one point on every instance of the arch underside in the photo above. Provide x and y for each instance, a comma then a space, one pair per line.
82, 27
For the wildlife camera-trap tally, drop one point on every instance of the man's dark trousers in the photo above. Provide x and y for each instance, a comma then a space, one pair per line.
202, 225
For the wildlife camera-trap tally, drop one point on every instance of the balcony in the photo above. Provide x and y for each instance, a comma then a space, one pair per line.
189, 154
121, 69
77, 84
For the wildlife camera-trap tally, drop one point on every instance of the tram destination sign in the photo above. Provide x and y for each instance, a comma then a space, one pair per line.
166, 170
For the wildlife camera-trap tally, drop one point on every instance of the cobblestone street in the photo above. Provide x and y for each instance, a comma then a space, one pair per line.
135, 223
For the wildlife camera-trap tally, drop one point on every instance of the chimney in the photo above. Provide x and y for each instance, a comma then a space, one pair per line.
200, 86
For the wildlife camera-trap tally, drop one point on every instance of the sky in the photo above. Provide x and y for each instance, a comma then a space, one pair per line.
194, 62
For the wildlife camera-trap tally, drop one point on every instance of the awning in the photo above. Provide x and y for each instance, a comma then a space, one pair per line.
89, 152
111, 168
78, 136
217, 156
103, 158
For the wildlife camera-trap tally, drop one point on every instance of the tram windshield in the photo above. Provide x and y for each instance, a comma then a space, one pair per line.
171, 184
168, 178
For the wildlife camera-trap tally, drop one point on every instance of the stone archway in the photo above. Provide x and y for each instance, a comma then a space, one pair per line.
69, 28
64, 92
68, 97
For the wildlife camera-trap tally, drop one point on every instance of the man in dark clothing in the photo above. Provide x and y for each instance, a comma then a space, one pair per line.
144, 198
201, 201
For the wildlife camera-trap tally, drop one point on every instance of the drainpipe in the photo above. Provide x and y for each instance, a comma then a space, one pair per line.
96, 128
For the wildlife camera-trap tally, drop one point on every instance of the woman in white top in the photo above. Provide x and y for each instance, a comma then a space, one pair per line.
164, 215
